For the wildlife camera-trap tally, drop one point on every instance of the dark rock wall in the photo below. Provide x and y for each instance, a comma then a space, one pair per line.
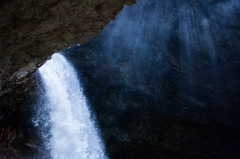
163, 79
21, 117
32, 30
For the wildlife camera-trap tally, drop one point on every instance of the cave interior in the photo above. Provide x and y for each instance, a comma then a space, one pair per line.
161, 81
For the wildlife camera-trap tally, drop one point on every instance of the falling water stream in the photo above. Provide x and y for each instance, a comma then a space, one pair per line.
73, 134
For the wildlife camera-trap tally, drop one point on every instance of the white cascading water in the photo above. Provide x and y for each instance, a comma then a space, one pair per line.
73, 134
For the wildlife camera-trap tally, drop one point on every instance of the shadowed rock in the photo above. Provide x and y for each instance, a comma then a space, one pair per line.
32, 30
163, 80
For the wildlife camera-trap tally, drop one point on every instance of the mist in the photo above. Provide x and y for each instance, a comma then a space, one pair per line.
162, 68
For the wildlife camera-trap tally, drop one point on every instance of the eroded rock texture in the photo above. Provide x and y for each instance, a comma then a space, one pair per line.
32, 30
163, 80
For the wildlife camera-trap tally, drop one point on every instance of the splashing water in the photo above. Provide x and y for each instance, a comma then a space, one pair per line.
73, 135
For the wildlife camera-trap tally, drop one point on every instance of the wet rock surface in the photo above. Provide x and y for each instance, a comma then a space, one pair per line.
19, 138
32, 30
163, 81
20, 143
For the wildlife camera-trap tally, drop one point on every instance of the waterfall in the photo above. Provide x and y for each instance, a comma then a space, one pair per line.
73, 134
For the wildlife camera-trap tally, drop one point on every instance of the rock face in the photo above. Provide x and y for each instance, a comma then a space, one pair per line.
163, 80
32, 30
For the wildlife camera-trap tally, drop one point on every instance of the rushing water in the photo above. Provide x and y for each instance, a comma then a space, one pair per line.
73, 135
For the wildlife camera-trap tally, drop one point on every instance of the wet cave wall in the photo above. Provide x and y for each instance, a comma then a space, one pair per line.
19, 115
162, 80
32, 30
